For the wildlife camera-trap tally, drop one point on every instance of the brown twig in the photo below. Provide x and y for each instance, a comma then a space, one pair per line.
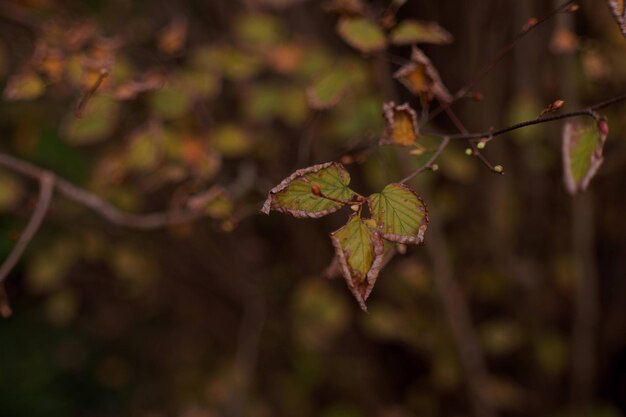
82, 102
46, 187
429, 164
502, 53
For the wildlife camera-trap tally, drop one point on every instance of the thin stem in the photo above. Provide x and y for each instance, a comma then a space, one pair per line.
502, 53
442, 145
82, 102
46, 187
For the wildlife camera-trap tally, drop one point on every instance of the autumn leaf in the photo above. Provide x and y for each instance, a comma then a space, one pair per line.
173, 37
360, 251
582, 153
412, 31
294, 194
422, 78
618, 9
400, 214
361, 34
401, 128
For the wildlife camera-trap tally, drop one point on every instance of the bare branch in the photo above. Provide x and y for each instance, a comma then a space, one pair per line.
429, 164
46, 187
100, 206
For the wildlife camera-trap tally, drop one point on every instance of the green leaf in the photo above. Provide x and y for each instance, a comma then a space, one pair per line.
24, 86
582, 154
362, 34
231, 141
413, 31
400, 213
96, 123
360, 251
327, 90
294, 195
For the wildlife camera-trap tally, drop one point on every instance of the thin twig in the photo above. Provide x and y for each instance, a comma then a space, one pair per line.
429, 164
46, 187
589, 111
82, 102
149, 221
502, 53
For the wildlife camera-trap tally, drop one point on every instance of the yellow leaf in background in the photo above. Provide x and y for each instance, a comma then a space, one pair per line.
401, 128
24, 86
362, 34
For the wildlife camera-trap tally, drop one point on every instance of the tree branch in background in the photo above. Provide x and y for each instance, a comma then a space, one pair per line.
46, 187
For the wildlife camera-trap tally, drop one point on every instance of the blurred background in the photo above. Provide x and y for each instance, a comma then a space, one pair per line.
514, 307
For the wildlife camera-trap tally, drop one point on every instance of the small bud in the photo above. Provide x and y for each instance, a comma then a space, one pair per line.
481, 144
434, 167
499, 169
360, 199
603, 126
347, 160
530, 23
557, 104
315, 190
477, 96
469, 152
572, 8
355, 207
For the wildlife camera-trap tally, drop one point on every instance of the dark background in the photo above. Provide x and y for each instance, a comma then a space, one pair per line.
231, 315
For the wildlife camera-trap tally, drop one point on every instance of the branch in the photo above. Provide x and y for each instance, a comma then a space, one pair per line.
99, 205
589, 111
499, 57
46, 187
429, 164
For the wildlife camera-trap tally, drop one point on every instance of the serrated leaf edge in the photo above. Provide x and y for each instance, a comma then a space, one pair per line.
271, 204
415, 240
372, 274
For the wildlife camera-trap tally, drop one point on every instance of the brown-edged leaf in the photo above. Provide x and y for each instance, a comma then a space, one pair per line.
422, 78
400, 214
360, 251
412, 31
582, 153
294, 195
401, 128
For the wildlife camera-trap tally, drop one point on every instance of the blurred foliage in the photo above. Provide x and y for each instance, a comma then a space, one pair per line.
208, 105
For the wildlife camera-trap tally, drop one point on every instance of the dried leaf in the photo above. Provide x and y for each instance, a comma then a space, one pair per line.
294, 196
361, 34
174, 36
147, 82
412, 31
24, 86
400, 214
328, 90
360, 251
582, 153
401, 126
422, 78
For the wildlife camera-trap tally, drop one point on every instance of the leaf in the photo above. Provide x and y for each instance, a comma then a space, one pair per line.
258, 30
173, 37
24, 86
361, 34
401, 126
422, 78
231, 141
413, 31
582, 154
618, 9
327, 90
96, 123
359, 250
400, 214
294, 194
